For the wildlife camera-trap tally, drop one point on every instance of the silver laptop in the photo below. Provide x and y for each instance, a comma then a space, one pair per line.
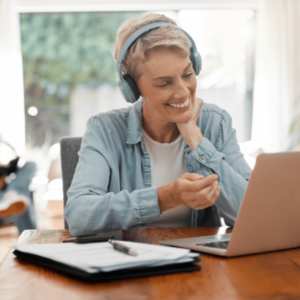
269, 216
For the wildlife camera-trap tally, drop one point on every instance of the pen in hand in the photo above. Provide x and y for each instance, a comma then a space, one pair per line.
122, 248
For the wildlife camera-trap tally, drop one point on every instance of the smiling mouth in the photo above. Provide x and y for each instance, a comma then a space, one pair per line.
180, 105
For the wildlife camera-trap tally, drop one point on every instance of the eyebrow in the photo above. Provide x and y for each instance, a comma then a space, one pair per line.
165, 77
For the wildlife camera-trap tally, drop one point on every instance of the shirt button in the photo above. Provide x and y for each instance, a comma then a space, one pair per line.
201, 156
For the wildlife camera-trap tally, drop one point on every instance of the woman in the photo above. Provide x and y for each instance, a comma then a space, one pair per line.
168, 160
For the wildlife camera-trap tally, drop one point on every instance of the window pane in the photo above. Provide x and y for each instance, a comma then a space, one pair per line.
224, 39
67, 58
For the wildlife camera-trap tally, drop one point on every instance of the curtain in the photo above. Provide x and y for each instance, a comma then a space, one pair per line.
12, 119
277, 73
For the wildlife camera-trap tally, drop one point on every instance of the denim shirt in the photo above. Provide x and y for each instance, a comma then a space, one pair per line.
111, 188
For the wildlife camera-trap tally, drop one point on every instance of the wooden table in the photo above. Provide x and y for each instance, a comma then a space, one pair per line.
274, 275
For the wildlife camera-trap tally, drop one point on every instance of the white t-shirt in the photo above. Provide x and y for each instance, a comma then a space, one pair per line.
167, 164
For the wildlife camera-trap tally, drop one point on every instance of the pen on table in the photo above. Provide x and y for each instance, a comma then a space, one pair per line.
88, 239
122, 248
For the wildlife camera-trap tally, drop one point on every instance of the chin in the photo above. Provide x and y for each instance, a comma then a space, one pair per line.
185, 117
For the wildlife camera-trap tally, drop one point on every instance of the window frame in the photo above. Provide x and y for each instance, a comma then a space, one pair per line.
37, 6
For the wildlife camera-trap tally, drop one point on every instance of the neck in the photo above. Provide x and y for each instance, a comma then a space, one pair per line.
162, 133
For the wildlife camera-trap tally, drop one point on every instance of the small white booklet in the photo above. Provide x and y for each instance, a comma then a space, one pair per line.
96, 257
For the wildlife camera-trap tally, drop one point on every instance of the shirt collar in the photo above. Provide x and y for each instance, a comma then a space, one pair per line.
135, 117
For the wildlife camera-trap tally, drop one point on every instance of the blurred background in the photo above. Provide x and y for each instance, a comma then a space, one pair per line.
57, 70
69, 70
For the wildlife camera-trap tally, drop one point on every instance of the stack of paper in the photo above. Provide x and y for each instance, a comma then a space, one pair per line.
96, 257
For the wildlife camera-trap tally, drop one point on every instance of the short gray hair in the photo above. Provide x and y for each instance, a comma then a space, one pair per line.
166, 37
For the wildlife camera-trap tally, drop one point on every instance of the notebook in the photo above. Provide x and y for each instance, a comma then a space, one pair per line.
96, 262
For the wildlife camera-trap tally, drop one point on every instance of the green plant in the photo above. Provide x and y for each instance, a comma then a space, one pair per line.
60, 52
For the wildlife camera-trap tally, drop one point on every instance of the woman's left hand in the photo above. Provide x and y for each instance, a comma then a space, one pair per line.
189, 130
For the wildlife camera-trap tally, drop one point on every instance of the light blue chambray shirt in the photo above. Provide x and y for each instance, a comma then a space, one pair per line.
111, 188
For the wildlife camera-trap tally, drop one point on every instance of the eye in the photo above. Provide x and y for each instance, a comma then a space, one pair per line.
188, 75
164, 84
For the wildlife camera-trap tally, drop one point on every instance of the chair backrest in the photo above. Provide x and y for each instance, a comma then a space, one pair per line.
69, 148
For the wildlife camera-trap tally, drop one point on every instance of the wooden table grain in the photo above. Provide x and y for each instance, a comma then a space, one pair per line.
274, 275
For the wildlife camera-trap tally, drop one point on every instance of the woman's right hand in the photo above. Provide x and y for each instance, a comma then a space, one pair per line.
190, 189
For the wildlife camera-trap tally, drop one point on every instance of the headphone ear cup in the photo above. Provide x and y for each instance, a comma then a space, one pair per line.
132, 85
197, 62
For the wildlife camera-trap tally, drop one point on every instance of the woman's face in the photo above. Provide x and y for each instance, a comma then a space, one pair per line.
168, 86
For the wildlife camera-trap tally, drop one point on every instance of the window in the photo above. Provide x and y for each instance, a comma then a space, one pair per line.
69, 70
225, 40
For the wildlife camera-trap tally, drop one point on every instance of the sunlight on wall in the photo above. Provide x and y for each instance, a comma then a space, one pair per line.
12, 122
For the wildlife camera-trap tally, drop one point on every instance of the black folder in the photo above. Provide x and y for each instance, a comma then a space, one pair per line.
108, 276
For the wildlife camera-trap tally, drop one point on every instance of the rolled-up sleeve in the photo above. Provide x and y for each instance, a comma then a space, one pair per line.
226, 160
90, 207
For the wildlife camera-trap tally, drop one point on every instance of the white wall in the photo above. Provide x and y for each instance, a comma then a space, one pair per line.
12, 119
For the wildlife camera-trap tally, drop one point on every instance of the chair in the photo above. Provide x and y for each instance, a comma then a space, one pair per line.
69, 148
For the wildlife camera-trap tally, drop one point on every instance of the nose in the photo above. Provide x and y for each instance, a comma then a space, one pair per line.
181, 89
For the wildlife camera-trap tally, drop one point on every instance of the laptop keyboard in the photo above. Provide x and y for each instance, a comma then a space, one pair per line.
221, 245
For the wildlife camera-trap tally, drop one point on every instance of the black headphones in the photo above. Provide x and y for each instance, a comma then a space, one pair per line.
126, 84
